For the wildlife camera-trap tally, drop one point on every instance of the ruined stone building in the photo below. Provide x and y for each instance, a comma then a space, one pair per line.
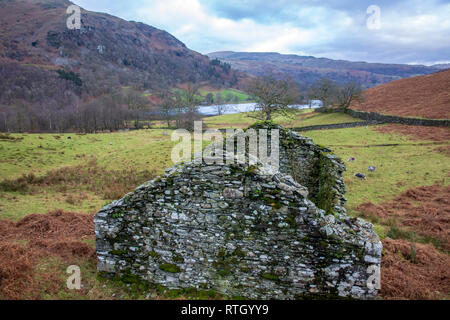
243, 231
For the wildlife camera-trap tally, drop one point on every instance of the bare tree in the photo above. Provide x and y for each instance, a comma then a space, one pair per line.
347, 94
188, 96
228, 97
219, 99
219, 104
324, 90
136, 103
187, 103
273, 96
209, 99
168, 106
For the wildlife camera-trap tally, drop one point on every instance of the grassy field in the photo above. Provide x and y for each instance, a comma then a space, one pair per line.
80, 171
44, 172
401, 163
241, 96
139, 155
314, 119
301, 118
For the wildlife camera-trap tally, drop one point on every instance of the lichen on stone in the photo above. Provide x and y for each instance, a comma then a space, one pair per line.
241, 231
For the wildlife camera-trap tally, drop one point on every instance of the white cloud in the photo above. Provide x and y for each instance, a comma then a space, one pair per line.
410, 30
189, 21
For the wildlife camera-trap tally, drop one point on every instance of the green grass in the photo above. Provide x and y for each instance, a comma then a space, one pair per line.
241, 96
319, 119
43, 172
237, 120
409, 164
402, 163
129, 152
301, 118
39, 153
94, 287
244, 120
43, 66
179, 91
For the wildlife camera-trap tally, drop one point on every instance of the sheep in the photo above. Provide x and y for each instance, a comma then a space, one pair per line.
360, 176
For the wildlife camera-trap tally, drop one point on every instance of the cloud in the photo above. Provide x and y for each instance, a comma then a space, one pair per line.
412, 31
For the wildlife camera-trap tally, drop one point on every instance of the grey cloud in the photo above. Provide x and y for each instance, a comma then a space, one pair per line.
355, 41
279, 11
340, 26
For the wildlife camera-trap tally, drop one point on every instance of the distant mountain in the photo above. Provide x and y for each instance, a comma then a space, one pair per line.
424, 96
106, 53
442, 66
307, 69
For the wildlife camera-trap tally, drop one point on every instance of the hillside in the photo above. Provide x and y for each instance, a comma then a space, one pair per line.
306, 69
442, 66
107, 52
424, 96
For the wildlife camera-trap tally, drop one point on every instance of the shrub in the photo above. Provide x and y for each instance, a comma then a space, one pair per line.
70, 76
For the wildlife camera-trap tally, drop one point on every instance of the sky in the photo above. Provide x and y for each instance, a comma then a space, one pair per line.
388, 31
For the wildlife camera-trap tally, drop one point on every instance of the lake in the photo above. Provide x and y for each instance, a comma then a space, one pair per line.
246, 107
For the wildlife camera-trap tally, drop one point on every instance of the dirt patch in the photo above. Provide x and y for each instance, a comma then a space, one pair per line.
56, 234
413, 271
444, 150
424, 96
8, 137
417, 132
424, 210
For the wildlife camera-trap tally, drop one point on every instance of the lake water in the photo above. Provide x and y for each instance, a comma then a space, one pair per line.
245, 107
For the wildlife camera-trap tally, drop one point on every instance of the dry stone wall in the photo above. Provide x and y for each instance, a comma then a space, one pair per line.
378, 118
243, 231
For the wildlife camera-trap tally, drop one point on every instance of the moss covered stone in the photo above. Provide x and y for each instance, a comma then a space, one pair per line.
270, 276
240, 230
172, 268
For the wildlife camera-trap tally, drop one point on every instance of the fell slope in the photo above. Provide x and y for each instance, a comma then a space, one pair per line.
425, 97
307, 69
107, 51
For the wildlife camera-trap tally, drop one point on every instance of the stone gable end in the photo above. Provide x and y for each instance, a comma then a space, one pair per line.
242, 232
